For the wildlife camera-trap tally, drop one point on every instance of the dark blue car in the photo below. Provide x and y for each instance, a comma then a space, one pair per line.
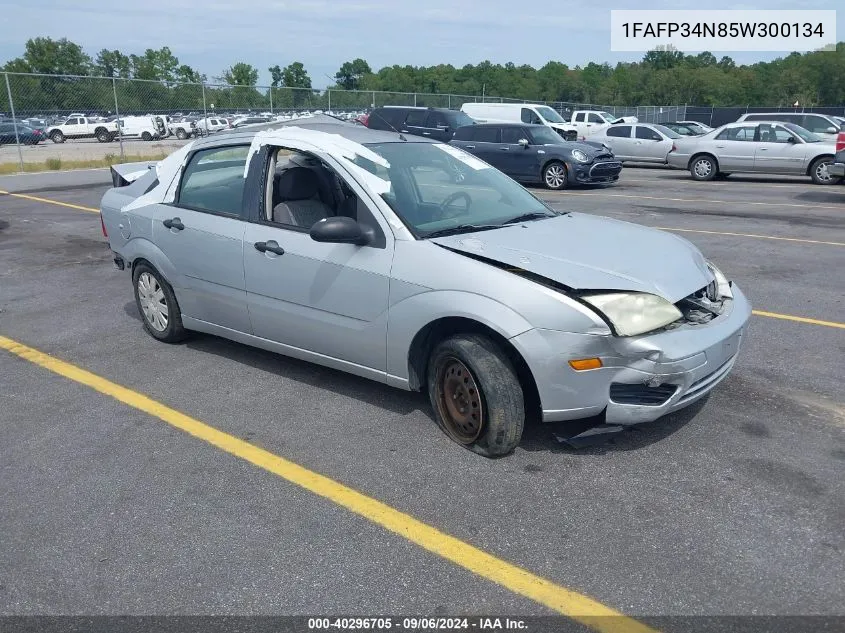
26, 134
536, 154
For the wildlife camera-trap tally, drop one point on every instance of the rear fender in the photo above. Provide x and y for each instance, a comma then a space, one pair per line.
142, 248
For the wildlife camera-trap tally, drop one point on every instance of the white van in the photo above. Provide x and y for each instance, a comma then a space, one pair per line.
521, 112
143, 127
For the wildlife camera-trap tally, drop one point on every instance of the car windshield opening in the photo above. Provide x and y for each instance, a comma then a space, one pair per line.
546, 136
434, 187
549, 115
666, 131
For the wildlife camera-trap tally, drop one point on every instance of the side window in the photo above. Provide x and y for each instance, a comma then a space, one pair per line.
214, 181
773, 134
579, 118
464, 133
815, 123
486, 134
437, 119
416, 118
647, 134
512, 135
743, 133
592, 117
623, 131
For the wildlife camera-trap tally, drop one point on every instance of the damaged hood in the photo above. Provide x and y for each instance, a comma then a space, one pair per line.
586, 252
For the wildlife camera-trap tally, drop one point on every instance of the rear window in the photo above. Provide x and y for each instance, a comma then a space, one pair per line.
386, 118
457, 118
416, 118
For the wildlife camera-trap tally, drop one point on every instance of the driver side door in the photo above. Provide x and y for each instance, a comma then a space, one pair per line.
320, 301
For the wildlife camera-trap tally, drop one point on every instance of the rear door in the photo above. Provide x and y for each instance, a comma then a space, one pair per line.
735, 148
619, 138
438, 127
201, 233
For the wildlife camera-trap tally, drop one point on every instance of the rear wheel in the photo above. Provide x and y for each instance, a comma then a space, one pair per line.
57, 136
476, 396
103, 135
157, 305
146, 136
703, 167
555, 176
181, 134
820, 173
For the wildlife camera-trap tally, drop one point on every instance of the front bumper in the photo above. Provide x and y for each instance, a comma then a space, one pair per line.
604, 171
643, 377
837, 170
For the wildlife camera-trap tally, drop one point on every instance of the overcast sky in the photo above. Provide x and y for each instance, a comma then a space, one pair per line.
213, 34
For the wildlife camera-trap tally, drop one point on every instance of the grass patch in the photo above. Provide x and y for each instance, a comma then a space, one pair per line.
56, 164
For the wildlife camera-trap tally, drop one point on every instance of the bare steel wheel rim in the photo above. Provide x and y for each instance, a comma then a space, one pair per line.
703, 167
153, 302
822, 172
459, 401
555, 176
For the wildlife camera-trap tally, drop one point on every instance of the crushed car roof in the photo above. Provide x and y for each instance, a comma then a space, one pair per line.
322, 123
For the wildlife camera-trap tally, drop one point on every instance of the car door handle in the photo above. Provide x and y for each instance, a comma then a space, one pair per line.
720, 147
470, 146
272, 246
503, 149
174, 223
764, 149
426, 133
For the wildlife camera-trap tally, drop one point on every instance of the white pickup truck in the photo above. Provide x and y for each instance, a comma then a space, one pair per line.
589, 122
82, 127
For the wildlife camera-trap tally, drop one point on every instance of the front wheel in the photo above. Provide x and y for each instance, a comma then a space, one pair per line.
820, 173
555, 176
181, 134
146, 136
57, 137
157, 305
103, 136
703, 168
476, 395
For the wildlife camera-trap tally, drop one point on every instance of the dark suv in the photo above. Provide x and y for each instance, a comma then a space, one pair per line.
537, 154
437, 123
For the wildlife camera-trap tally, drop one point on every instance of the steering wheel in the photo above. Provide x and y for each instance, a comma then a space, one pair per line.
451, 199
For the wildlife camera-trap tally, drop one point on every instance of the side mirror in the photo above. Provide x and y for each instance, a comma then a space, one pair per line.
339, 230
792, 139
523, 142
831, 130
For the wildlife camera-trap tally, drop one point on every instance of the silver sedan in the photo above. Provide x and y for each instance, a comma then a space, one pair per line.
766, 147
418, 265
641, 143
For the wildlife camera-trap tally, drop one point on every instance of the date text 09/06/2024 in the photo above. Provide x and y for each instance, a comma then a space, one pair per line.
416, 624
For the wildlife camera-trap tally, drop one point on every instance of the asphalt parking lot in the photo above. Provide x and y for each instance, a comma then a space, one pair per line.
735, 506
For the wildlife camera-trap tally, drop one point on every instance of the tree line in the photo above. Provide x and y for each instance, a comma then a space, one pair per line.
661, 77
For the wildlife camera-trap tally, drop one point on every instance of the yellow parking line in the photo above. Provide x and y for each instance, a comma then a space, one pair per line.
762, 237
48, 201
789, 317
697, 200
520, 581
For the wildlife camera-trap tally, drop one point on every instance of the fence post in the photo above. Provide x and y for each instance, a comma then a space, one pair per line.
271, 99
14, 122
415, 99
374, 99
329, 95
117, 113
204, 108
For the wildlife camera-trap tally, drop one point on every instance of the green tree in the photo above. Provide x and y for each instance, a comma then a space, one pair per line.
112, 64
241, 74
52, 57
350, 73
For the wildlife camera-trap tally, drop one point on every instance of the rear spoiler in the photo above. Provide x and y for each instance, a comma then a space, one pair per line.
127, 173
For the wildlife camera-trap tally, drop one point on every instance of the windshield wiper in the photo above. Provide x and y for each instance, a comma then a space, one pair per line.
534, 215
462, 228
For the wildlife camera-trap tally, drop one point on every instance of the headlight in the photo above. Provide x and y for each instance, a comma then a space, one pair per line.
633, 313
723, 286
580, 156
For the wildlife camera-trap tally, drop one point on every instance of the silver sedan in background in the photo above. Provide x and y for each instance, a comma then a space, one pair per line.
641, 142
767, 147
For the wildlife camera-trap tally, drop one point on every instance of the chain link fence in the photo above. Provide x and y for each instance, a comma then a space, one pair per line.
66, 121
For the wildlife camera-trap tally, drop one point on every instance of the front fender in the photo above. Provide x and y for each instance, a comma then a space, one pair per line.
410, 315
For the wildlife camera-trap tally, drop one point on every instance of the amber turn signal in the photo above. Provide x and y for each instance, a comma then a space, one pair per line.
583, 364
